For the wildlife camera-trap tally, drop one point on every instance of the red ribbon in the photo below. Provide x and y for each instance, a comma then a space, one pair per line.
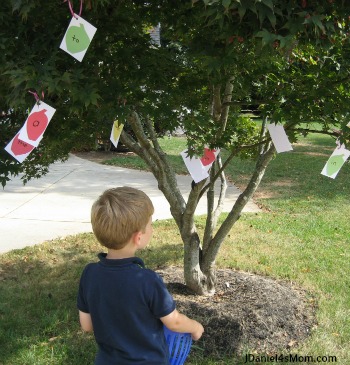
71, 7
36, 96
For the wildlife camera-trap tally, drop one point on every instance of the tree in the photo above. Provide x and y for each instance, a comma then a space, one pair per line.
287, 60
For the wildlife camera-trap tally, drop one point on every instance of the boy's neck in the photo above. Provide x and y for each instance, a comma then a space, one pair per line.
123, 253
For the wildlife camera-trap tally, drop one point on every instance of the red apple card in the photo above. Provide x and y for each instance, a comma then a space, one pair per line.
208, 157
279, 138
336, 161
18, 148
36, 123
198, 167
116, 132
78, 37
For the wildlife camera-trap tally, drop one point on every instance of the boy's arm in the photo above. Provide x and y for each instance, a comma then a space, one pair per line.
85, 321
178, 322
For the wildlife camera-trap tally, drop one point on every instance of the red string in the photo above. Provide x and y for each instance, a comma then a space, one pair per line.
36, 96
71, 7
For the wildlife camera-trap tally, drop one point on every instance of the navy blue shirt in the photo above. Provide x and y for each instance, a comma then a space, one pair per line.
125, 301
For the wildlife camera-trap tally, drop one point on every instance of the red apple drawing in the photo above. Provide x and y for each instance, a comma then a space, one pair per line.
208, 157
36, 124
19, 147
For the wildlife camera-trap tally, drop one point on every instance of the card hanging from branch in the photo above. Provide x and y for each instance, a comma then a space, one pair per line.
155, 35
78, 36
116, 132
36, 123
336, 161
199, 167
32, 131
279, 138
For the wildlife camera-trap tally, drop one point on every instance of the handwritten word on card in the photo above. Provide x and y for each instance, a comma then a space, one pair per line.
279, 138
36, 123
18, 148
335, 162
78, 37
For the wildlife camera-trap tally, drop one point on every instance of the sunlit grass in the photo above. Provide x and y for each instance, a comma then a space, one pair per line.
172, 145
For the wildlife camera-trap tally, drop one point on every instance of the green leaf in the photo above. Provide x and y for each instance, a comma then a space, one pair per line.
272, 18
266, 37
316, 19
268, 3
16, 4
226, 3
261, 17
285, 41
241, 11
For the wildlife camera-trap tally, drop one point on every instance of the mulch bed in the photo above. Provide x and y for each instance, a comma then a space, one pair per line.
248, 313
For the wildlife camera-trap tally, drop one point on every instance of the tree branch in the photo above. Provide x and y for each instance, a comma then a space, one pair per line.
192, 202
251, 102
234, 214
216, 102
209, 223
213, 215
305, 130
160, 167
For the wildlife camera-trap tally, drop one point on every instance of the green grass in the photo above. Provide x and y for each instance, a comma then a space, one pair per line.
303, 236
172, 145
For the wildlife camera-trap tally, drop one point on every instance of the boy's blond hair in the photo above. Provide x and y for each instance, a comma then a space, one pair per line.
118, 213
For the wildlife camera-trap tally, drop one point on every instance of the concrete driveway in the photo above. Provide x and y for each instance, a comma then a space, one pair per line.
58, 204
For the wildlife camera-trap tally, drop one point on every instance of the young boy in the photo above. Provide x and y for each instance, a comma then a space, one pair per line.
121, 301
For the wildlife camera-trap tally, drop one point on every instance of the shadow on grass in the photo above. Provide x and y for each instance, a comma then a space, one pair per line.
39, 322
303, 172
135, 162
297, 175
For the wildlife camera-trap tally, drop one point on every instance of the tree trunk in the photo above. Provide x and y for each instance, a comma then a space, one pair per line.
210, 254
193, 274
199, 262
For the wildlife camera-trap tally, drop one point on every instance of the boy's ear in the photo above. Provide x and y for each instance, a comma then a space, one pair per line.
136, 237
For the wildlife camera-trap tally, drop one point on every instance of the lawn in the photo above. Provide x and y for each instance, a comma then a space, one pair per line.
302, 235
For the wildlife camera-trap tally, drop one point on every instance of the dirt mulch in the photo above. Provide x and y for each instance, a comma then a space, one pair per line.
248, 313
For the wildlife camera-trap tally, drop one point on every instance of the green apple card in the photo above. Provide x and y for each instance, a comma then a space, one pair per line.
78, 37
335, 162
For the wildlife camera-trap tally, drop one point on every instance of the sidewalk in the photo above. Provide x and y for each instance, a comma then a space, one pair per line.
58, 204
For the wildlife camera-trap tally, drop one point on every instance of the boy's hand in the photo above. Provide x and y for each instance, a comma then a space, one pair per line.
197, 334
178, 322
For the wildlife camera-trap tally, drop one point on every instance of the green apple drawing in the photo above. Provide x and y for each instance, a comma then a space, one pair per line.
77, 39
334, 164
